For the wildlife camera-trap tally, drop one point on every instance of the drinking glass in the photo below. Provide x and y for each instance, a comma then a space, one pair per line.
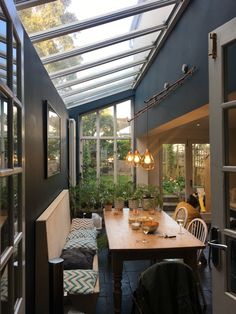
181, 223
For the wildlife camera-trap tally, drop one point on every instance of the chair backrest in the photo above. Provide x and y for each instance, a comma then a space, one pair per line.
198, 228
181, 213
167, 287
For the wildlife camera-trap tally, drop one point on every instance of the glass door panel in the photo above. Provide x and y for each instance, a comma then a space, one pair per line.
173, 169
107, 161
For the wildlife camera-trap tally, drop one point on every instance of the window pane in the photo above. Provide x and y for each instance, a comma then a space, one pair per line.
124, 174
4, 290
3, 49
15, 74
4, 210
173, 168
123, 114
17, 273
89, 125
231, 243
89, 161
107, 160
107, 122
3, 134
199, 153
230, 133
231, 200
16, 203
16, 142
230, 69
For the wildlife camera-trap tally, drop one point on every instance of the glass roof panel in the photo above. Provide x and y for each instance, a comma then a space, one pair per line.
108, 30
112, 78
114, 44
70, 11
124, 62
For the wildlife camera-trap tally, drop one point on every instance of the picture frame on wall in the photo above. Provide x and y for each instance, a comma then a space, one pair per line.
53, 141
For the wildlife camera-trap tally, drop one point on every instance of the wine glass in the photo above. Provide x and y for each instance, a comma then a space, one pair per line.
180, 222
145, 230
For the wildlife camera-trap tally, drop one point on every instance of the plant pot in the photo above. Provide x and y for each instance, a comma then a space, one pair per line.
148, 203
108, 206
119, 204
133, 204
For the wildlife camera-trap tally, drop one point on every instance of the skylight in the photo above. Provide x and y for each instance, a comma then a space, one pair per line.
92, 51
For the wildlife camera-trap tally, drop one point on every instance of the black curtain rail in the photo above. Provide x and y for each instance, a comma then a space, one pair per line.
157, 98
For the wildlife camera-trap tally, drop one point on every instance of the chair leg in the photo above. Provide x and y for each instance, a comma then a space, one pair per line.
201, 293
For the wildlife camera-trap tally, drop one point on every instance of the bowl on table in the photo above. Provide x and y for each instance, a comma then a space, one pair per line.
151, 226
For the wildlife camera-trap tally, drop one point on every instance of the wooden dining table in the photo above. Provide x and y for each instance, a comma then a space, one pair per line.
128, 244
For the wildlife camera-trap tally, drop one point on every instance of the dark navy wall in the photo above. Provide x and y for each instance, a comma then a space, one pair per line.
187, 44
39, 191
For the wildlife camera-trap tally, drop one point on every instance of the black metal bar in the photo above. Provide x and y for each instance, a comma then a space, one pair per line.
56, 291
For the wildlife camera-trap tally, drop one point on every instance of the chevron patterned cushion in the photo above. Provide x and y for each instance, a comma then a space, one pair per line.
82, 233
82, 223
4, 288
88, 243
80, 281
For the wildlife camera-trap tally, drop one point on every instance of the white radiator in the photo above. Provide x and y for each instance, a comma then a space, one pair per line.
72, 152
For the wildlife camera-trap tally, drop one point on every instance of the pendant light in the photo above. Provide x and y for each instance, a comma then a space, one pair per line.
147, 161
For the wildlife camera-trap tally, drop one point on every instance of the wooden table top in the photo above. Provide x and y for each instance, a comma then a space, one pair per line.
122, 237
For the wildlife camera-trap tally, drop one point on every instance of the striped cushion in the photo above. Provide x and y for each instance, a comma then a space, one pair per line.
4, 288
82, 233
82, 223
87, 243
80, 281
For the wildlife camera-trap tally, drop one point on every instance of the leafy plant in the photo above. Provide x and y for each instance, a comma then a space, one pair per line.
173, 185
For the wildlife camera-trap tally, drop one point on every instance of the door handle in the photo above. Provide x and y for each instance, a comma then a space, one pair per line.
217, 245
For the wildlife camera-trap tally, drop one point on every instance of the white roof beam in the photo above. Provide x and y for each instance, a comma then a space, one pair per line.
92, 86
108, 42
95, 95
25, 4
89, 65
110, 71
99, 20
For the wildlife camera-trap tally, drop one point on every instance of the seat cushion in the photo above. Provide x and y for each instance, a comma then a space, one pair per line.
89, 243
82, 223
80, 281
78, 258
82, 233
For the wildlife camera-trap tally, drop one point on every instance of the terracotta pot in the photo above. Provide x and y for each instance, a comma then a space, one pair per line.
133, 204
108, 207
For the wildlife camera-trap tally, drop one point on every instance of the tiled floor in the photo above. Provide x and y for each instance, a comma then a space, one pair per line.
132, 269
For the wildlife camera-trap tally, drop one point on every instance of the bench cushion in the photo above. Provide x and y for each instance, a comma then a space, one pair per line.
82, 223
88, 243
80, 281
78, 258
82, 233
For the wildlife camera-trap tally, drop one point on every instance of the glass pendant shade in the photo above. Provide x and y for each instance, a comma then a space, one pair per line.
137, 158
147, 161
129, 158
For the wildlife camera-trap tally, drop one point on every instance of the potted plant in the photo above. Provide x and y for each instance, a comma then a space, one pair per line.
120, 195
106, 195
135, 198
151, 196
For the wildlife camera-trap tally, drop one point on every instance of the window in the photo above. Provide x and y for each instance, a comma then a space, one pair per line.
11, 170
105, 139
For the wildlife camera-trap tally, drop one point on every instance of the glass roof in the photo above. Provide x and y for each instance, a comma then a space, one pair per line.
92, 51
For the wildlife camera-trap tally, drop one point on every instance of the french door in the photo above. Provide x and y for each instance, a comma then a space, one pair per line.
11, 162
222, 89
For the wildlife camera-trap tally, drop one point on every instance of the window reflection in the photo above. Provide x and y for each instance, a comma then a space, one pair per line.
229, 72
230, 133
3, 133
231, 200
4, 219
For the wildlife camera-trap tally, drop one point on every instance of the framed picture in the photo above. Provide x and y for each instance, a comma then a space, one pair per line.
53, 141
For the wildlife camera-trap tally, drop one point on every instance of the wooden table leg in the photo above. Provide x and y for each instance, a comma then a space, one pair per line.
117, 265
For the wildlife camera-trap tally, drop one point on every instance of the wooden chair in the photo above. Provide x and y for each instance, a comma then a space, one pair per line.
181, 213
198, 228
